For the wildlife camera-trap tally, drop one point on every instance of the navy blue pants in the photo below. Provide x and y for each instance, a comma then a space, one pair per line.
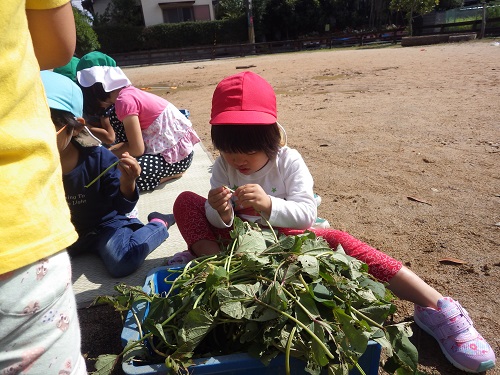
123, 245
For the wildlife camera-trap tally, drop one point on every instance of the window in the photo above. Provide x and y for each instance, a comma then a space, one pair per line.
180, 14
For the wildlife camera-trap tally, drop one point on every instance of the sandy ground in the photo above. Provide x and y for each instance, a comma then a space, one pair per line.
404, 147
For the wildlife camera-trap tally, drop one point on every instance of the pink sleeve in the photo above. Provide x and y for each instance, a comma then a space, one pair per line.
126, 105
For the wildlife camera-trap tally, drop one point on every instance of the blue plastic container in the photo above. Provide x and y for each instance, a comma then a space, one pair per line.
234, 364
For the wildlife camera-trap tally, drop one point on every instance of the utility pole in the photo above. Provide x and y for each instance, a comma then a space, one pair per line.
483, 23
251, 33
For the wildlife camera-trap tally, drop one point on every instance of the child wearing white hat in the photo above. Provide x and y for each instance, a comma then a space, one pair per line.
158, 134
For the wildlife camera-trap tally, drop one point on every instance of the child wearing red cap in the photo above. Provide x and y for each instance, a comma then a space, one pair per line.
257, 176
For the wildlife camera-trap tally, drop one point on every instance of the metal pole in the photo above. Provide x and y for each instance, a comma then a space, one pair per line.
251, 33
483, 23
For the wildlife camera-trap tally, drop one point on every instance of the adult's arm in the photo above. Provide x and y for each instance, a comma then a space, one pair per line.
53, 34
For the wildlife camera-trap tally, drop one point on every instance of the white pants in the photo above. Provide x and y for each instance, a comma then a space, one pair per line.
39, 330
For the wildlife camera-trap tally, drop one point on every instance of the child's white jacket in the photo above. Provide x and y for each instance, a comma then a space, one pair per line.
286, 180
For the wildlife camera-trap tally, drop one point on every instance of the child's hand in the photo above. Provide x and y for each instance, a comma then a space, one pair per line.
252, 195
220, 200
129, 167
130, 170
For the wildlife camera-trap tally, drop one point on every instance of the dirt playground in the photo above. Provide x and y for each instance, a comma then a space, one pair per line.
404, 147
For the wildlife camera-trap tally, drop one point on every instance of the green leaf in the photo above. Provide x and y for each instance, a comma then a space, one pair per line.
290, 272
376, 287
405, 355
234, 309
105, 364
251, 242
157, 330
310, 265
287, 242
318, 351
262, 314
275, 296
135, 349
355, 341
217, 277
307, 301
197, 324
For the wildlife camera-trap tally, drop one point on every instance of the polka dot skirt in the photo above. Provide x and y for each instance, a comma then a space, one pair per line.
116, 124
118, 127
154, 168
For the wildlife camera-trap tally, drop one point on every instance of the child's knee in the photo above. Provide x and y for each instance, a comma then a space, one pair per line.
187, 200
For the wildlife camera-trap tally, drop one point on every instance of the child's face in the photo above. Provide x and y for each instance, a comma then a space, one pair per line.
63, 137
246, 163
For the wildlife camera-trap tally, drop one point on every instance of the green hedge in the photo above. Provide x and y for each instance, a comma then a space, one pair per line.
119, 38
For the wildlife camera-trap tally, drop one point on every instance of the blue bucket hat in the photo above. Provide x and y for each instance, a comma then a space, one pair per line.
62, 93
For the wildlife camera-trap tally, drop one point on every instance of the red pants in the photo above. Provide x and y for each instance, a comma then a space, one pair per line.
189, 212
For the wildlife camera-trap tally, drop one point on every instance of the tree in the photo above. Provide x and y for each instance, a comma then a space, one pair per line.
379, 13
121, 12
411, 7
309, 17
226, 9
86, 38
279, 20
449, 4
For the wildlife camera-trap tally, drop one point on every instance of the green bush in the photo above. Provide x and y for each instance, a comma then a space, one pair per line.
116, 39
86, 37
120, 38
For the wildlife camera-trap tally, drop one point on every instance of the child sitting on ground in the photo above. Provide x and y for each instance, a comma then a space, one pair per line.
99, 205
157, 133
257, 176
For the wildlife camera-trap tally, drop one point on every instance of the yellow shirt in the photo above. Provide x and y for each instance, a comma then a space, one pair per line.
34, 217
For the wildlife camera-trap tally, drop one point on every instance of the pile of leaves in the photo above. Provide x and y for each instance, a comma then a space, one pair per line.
265, 295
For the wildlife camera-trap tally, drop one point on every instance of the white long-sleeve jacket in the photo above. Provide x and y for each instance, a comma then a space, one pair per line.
286, 180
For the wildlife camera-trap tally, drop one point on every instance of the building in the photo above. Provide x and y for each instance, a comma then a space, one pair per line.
168, 11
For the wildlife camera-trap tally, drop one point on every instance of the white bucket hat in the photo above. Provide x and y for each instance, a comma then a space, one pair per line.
98, 67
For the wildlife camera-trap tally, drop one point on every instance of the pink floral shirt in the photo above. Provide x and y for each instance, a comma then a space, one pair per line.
165, 130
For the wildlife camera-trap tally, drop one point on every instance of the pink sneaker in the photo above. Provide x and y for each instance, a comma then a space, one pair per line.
180, 258
452, 327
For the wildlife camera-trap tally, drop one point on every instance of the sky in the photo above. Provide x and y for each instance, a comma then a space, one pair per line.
77, 4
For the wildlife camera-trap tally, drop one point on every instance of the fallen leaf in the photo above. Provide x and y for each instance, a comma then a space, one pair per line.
452, 260
418, 200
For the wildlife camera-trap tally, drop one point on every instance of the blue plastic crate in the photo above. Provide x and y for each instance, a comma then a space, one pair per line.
234, 364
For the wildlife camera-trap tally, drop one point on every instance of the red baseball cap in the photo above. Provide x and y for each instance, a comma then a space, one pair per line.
243, 99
